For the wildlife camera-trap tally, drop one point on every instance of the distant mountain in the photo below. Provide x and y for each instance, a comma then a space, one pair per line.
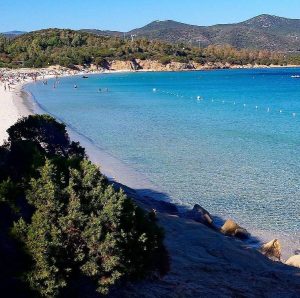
11, 34
261, 32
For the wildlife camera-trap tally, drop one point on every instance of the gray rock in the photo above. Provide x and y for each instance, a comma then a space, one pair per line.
199, 214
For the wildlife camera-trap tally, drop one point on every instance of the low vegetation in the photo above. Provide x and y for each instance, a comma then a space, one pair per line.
64, 229
68, 48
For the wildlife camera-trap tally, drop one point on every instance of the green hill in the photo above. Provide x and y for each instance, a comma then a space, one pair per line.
264, 32
68, 48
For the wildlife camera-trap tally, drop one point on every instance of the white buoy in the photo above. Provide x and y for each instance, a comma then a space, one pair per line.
154, 89
256, 107
294, 114
244, 104
280, 111
268, 110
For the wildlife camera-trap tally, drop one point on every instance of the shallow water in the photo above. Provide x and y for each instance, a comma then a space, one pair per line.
235, 150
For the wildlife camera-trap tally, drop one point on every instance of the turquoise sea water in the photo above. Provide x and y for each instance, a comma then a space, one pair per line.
235, 151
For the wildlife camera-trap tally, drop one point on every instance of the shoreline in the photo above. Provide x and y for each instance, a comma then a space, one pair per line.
22, 104
201, 258
113, 168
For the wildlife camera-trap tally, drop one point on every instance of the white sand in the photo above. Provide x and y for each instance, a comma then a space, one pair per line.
9, 112
11, 106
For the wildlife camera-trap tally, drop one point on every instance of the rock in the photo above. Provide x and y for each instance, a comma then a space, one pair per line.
231, 228
293, 261
120, 65
199, 214
135, 65
272, 250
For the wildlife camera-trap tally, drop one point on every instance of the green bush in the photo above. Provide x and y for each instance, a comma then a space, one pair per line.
165, 60
73, 224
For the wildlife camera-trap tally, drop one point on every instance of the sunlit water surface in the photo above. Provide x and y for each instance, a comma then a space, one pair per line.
228, 140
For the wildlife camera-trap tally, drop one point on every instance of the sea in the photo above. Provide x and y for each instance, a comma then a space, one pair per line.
228, 140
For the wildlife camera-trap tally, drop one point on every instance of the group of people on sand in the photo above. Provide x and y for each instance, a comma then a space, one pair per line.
10, 78
9, 81
15, 77
6, 86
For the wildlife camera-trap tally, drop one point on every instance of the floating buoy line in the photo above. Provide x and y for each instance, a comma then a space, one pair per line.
199, 98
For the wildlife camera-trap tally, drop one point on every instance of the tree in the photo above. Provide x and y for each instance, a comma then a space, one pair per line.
45, 132
67, 47
73, 225
83, 227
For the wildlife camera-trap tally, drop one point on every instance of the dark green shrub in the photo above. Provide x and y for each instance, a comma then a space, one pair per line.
72, 223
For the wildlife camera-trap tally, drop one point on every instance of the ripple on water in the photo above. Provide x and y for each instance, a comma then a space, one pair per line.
232, 151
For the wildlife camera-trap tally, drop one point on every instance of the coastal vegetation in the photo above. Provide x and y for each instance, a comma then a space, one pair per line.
63, 227
68, 48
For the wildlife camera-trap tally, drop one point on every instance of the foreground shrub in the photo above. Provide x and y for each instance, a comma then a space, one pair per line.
73, 225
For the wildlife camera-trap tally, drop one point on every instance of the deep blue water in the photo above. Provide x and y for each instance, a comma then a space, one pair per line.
236, 151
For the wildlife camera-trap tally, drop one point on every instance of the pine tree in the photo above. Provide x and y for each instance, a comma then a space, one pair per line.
82, 227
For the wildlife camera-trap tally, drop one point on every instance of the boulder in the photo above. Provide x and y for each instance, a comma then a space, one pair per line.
199, 214
293, 261
231, 228
272, 250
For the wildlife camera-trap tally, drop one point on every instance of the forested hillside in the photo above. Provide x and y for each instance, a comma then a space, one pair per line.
68, 48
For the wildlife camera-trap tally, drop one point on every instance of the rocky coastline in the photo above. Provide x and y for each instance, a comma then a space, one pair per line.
154, 65
205, 255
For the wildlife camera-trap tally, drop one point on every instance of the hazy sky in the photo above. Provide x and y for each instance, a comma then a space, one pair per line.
124, 15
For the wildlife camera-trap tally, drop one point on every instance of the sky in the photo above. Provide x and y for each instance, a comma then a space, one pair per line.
124, 15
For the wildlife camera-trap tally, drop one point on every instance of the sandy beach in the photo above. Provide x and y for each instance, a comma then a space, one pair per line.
9, 112
11, 84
